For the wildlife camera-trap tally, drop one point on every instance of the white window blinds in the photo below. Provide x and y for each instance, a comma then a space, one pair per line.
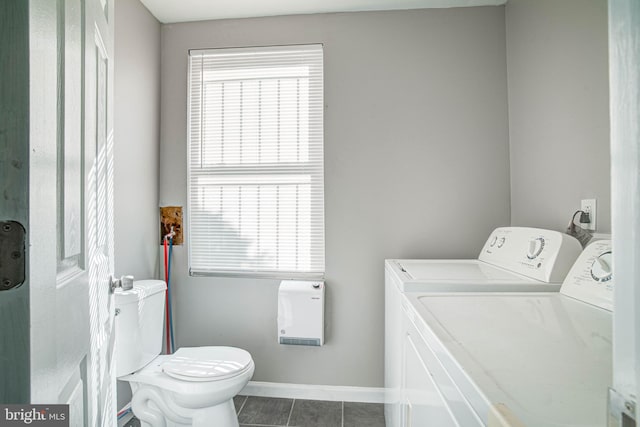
256, 187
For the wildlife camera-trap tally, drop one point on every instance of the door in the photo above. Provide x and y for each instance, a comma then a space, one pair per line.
99, 135
70, 207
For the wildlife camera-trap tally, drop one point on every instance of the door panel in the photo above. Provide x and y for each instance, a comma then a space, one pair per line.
72, 312
47, 374
59, 299
71, 172
99, 131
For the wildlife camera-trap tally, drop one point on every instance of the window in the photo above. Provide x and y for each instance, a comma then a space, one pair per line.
256, 187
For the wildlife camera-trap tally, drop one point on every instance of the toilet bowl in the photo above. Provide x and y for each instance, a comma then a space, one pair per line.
194, 386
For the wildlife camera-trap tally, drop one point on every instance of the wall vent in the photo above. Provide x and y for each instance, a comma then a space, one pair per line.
300, 341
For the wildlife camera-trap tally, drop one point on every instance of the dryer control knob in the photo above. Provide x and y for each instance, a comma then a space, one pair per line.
535, 247
601, 268
501, 242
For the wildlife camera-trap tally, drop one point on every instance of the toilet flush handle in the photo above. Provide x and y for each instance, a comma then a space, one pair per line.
125, 283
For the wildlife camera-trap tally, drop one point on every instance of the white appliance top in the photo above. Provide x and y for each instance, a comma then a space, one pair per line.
461, 276
512, 259
532, 359
206, 363
542, 358
455, 270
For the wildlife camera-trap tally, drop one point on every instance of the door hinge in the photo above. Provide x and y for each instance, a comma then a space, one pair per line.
621, 410
12, 255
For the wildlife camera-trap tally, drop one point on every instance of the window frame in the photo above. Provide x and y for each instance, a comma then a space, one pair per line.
319, 216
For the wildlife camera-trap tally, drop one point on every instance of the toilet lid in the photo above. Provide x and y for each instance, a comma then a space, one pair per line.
207, 363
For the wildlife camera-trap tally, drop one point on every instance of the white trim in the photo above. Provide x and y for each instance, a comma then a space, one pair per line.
314, 392
624, 84
257, 50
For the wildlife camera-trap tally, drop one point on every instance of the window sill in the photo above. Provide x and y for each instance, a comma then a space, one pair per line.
274, 275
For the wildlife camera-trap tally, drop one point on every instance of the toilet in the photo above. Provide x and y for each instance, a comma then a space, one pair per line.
194, 386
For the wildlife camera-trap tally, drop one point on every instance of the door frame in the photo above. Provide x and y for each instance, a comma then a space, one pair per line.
14, 184
624, 98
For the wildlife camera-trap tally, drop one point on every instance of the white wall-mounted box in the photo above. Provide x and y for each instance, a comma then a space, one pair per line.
301, 312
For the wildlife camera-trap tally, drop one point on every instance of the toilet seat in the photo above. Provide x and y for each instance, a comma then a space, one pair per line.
153, 374
207, 363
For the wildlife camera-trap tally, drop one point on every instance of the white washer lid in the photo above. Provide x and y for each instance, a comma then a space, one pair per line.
206, 363
453, 270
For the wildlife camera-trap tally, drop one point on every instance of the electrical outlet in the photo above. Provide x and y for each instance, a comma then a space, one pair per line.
589, 206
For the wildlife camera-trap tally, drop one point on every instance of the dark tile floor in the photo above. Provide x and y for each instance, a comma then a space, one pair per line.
133, 422
269, 411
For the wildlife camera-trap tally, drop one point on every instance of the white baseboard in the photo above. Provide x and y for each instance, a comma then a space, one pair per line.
314, 392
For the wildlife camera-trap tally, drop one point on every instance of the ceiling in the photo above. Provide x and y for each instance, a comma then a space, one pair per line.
169, 11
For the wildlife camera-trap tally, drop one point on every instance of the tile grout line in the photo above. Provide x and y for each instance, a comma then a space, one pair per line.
291, 411
242, 406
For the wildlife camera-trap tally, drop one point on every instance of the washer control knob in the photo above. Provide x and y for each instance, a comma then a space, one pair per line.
493, 241
501, 242
601, 268
535, 247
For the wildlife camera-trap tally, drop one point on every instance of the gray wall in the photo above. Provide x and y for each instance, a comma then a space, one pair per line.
137, 127
558, 110
416, 165
136, 144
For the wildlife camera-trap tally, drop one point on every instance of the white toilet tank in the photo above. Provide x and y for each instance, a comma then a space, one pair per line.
139, 322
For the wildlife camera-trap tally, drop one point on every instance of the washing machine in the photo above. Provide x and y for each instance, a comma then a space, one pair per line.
513, 259
512, 359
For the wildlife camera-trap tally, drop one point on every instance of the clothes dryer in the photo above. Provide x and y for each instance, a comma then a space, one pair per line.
513, 259
513, 359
